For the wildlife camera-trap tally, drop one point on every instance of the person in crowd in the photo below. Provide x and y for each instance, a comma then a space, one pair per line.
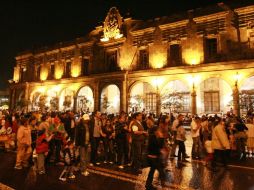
137, 140
42, 149
220, 143
24, 141
250, 135
108, 130
59, 134
164, 123
96, 133
241, 138
155, 147
195, 133
181, 137
176, 122
83, 142
121, 130
69, 160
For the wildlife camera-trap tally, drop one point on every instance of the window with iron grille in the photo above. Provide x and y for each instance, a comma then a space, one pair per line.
210, 49
68, 69
52, 71
112, 61
143, 59
174, 55
212, 101
150, 102
85, 67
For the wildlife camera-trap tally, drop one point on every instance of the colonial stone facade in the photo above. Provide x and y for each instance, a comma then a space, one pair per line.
201, 61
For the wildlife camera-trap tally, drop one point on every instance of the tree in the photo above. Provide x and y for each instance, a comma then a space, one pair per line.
54, 102
136, 104
67, 102
173, 101
84, 102
105, 102
42, 103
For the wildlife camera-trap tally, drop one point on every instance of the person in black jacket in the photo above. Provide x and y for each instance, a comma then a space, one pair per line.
155, 151
83, 141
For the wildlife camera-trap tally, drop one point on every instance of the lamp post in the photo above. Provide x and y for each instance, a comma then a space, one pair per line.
236, 106
157, 82
193, 98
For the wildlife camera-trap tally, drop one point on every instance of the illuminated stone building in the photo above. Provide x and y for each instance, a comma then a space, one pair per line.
201, 61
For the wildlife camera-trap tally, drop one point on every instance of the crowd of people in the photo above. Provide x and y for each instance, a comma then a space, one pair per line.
126, 140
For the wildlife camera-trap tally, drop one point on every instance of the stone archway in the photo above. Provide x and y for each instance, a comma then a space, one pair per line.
85, 99
110, 99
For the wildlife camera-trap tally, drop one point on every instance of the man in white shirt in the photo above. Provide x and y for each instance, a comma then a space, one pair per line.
195, 134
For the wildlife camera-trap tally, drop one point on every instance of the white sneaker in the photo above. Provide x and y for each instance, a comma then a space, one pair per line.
111, 162
105, 162
85, 173
98, 163
62, 178
91, 164
121, 167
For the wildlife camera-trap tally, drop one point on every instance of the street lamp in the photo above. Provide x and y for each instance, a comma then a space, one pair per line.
157, 82
237, 77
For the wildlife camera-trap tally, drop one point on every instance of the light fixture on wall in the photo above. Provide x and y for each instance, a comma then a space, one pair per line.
237, 77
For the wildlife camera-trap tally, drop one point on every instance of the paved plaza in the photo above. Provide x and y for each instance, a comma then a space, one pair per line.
192, 175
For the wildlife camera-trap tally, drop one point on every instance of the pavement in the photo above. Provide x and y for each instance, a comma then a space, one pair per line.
192, 175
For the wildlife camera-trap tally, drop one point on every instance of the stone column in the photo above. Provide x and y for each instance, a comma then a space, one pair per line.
123, 98
96, 96
75, 103
236, 106
27, 95
193, 102
158, 103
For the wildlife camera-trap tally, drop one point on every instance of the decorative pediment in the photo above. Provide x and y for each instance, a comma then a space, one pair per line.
112, 25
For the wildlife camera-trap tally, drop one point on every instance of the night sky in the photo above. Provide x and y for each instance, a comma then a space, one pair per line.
25, 25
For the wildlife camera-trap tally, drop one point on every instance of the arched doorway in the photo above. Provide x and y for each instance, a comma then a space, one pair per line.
142, 98
214, 95
66, 100
246, 96
175, 97
85, 100
110, 99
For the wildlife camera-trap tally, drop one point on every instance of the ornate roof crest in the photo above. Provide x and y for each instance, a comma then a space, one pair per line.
112, 25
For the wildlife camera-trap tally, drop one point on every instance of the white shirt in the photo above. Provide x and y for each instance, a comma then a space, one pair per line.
194, 129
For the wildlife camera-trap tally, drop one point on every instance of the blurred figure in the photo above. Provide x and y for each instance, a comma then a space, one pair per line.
220, 143
155, 147
24, 141
250, 134
83, 141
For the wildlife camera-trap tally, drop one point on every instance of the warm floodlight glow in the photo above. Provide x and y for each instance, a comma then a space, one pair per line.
58, 73
237, 77
44, 74
75, 71
156, 82
158, 60
192, 57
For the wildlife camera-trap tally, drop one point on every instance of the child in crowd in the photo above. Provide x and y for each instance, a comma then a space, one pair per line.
69, 160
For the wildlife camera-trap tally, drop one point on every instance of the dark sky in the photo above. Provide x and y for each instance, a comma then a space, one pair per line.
25, 25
